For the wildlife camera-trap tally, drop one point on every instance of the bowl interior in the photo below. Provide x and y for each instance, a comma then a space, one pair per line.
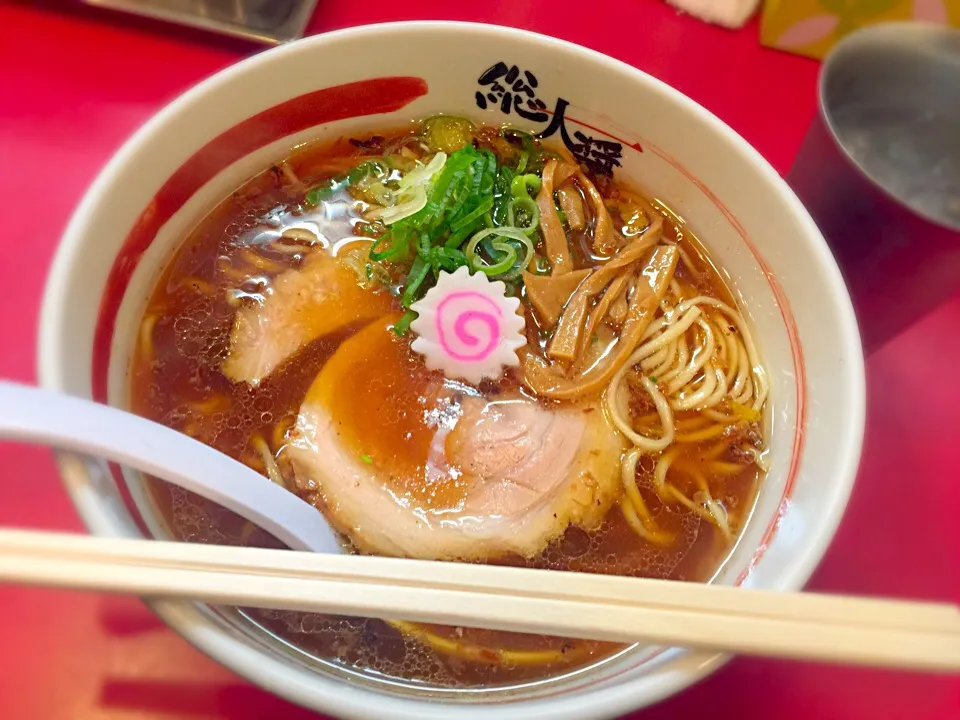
207, 143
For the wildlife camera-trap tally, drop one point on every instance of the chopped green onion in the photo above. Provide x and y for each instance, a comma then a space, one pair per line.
489, 173
324, 191
528, 208
501, 266
340, 182
477, 214
473, 214
418, 273
403, 324
423, 247
505, 265
537, 157
449, 259
527, 141
477, 170
524, 185
456, 239
396, 242
412, 191
367, 459
502, 195
522, 162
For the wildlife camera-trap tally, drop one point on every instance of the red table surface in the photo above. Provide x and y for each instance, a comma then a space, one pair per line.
75, 84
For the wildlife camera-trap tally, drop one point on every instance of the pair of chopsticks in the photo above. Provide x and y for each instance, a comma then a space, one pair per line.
922, 636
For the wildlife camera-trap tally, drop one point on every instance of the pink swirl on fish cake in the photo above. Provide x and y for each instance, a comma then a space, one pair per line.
460, 312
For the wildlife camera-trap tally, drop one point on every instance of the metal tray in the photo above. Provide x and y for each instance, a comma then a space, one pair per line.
265, 21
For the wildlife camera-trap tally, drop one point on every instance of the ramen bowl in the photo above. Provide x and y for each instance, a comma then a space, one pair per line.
205, 144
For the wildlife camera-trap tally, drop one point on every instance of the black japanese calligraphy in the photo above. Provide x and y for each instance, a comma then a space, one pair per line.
513, 92
599, 156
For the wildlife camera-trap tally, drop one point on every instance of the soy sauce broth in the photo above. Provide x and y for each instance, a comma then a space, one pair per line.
176, 379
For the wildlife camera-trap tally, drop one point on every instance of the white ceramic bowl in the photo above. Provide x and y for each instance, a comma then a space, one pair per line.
203, 145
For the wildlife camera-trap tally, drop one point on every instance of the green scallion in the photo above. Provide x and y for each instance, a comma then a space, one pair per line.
524, 185
403, 324
523, 213
333, 185
501, 247
418, 273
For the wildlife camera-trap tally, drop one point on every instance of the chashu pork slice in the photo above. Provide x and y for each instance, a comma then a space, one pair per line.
407, 464
300, 306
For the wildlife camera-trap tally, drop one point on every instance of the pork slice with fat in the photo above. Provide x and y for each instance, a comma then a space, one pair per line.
406, 463
299, 307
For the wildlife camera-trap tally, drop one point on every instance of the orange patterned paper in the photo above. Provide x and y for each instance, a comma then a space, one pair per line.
811, 27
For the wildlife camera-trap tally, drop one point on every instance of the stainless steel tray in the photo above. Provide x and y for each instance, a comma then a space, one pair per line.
266, 21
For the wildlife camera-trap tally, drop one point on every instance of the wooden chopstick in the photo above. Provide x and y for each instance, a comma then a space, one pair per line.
916, 635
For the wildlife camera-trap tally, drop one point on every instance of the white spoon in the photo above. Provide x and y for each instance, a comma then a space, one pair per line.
43, 417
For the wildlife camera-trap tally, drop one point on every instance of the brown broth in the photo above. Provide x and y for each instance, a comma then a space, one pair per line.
176, 380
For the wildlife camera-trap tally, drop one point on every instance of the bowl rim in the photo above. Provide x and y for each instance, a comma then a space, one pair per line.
335, 695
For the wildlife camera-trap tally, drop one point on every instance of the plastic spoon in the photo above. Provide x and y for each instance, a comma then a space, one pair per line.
43, 417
